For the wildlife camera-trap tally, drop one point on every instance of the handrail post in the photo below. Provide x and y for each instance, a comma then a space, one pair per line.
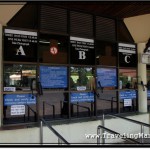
28, 112
59, 141
112, 104
43, 109
61, 107
92, 108
53, 111
89, 112
98, 134
142, 133
77, 109
41, 132
103, 124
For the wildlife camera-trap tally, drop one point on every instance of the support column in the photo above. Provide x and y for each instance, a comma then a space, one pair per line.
1, 77
142, 76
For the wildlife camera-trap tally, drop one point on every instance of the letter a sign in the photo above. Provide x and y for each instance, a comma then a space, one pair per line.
20, 51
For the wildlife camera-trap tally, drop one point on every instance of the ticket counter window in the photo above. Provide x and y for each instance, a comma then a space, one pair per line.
54, 106
18, 76
127, 79
148, 90
19, 103
128, 90
106, 90
53, 49
81, 79
106, 53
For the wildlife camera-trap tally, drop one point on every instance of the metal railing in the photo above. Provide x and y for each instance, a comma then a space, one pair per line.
61, 140
53, 107
99, 133
142, 124
30, 109
110, 100
92, 107
89, 111
73, 104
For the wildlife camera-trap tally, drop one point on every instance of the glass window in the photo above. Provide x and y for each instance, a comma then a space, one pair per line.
106, 101
106, 78
18, 76
81, 78
54, 105
106, 53
53, 49
148, 88
127, 79
53, 77
128, 87
19, 108
148, 75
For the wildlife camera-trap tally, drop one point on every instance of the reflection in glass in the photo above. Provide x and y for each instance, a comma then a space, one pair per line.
106, 53
19, 75
148, 91
81, 78
127, 79
53, 49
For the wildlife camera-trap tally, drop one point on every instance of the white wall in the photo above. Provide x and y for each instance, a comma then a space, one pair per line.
139, 27
73, 132
8, 10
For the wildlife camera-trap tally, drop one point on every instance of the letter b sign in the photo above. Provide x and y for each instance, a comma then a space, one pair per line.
82, 55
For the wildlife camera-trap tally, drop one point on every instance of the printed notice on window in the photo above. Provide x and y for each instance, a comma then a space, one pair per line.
17, 110
53, 77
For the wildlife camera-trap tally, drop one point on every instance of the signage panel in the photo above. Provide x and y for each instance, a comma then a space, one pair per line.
127, 102
106, 77
82, 51
20, 45
53, 77
127, 55
82, 97
17, 110
19, 99
127, 94
13, 89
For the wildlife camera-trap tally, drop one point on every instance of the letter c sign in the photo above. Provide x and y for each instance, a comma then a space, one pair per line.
127, 59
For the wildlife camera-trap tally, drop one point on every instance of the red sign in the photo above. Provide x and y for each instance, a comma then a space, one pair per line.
53, 50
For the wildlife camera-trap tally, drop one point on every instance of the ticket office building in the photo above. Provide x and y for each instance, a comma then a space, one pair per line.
62, 64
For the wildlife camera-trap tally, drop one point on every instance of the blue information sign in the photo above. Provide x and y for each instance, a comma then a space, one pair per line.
127, 94
82, 97
53, 77
19, 99
106, 77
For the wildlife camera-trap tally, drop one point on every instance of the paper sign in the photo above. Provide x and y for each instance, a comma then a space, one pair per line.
17, 110
127, 102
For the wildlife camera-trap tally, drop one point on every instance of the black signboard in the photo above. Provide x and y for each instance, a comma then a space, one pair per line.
20, 45
127, 55
82, 51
